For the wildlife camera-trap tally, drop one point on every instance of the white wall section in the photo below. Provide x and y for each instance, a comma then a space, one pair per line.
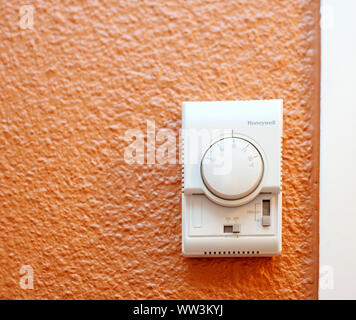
338, 151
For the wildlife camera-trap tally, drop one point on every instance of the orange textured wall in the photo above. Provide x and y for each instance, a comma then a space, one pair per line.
92, 226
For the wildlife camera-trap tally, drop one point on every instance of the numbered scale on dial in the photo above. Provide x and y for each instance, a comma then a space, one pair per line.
232, 168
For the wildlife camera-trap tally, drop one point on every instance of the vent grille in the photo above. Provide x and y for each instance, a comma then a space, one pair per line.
239, 252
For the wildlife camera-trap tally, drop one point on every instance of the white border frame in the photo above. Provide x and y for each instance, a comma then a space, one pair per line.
337, 272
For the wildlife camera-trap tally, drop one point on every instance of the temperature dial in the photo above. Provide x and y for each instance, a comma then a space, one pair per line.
232, 168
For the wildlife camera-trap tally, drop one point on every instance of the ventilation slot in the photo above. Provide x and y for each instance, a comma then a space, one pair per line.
219, 253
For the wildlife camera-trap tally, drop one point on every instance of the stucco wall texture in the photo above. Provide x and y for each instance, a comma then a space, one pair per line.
91, 225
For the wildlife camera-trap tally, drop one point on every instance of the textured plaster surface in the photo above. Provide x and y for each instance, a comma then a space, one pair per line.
92, 226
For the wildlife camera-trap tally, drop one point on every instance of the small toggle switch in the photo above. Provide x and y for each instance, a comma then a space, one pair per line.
236, 228
266, 213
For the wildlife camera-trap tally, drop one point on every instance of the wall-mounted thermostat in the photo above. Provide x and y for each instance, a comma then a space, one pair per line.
231, 203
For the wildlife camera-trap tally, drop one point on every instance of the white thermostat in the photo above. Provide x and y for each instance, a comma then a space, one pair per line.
232, 200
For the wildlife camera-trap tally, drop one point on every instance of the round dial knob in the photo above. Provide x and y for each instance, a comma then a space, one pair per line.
232, 168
